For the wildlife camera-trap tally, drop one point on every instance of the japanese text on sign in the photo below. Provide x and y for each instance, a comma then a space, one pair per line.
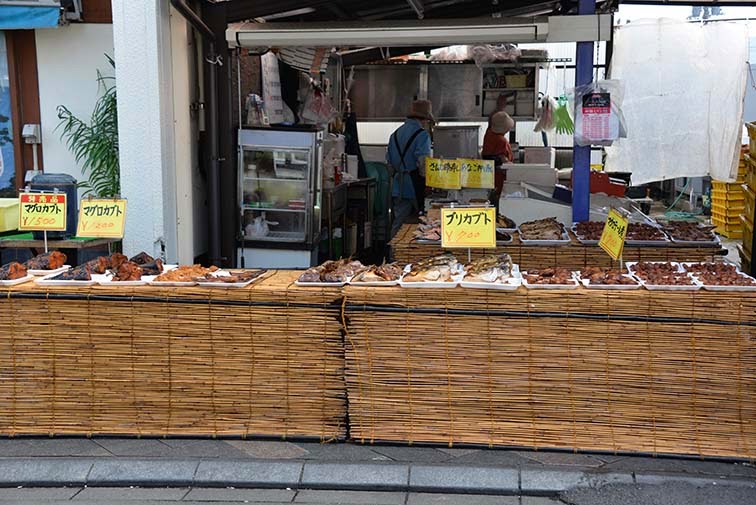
42, 212
468, 227
477, 174
442, 174
613, 237
101, 218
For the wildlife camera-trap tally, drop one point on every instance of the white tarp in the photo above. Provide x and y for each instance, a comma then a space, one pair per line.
684, 90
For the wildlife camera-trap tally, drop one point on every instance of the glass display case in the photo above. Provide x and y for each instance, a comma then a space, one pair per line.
280, 187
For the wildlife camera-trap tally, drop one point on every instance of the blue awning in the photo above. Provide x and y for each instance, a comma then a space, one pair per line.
16, 17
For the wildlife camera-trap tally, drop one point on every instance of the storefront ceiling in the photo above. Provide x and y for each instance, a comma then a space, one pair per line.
350, 10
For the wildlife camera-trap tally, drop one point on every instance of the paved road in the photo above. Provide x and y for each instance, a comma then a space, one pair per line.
197, 496
680, 493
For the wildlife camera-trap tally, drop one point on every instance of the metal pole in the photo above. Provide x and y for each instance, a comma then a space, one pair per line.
581, 158
213, 182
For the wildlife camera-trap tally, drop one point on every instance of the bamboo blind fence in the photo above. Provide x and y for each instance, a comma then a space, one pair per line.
656, 372
262, 361
638, 371
574, 256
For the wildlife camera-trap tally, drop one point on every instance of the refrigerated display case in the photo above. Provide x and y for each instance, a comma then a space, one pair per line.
280, 179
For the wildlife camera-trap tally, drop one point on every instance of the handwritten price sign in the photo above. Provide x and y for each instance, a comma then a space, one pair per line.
443, 174
468, 227
42, 212
101, 218
613, 237
477, 174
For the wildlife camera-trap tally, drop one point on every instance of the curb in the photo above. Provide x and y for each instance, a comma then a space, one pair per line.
276, 474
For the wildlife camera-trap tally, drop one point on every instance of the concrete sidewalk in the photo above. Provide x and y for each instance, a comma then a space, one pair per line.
119, 462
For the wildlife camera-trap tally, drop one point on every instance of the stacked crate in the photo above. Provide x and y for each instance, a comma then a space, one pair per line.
748, 216
728, 201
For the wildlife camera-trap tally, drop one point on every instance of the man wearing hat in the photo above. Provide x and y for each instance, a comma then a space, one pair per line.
496, 147
408, 147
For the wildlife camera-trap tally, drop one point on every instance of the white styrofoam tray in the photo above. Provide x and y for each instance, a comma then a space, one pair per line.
563, 241
223, 273
45, 273
50, 282
612, 287
16, 282
572, 285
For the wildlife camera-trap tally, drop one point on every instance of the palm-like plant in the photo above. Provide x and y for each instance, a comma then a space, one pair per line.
95, 144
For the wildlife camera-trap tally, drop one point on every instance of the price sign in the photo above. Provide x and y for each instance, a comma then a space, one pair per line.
477, 174
468, 227
443, 174
42, 212
613, 237
101, 218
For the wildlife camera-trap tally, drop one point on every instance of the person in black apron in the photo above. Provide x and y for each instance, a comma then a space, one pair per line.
407, 149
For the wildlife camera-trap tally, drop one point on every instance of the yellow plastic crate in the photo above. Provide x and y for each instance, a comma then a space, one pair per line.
725, 219
729, 211
749, 207
751, 127
8, 214
727, 187
733, 233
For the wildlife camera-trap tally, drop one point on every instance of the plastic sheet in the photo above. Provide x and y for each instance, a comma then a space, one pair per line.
683, 103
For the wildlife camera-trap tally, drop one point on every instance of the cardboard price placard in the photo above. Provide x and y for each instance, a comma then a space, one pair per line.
42, 212
101, 218
477, 174
443, 174
613, 237
468, 227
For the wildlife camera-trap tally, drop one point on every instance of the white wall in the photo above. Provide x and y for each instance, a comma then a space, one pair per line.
68, 58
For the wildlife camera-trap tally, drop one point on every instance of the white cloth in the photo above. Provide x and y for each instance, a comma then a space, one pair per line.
684, 90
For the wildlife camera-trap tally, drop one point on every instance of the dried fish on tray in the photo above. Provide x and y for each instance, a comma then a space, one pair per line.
642, 234
608, 278
720, 276
547, 231
331, 273
663, 276
428, 231
690, 233
48, 263
231, 279
492, 272
549, 278
378, 275
14, 273
503, 223
440, 271
79, 276
588, 232
184, 275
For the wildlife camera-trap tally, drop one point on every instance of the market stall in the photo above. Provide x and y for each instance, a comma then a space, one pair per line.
266, 360
574, 255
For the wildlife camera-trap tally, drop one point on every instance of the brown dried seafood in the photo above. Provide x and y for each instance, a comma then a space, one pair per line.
542, 229
689, 232
607, 276
556, 275
380, 273
492, 268
435, 269
333, 271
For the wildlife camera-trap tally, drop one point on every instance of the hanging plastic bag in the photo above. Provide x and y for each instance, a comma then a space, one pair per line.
598, 113
546, 121
317, 107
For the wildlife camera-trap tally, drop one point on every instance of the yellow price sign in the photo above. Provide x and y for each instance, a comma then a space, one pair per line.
442, 174
101, 218
477, 173
468, 227
42, 212
613, 237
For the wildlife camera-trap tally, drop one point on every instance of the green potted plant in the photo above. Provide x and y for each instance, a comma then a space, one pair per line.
94, 144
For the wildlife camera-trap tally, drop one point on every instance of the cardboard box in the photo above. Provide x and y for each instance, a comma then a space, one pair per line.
540, 155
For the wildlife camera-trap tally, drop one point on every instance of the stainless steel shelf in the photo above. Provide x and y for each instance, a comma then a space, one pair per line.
269, 209
276, 179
